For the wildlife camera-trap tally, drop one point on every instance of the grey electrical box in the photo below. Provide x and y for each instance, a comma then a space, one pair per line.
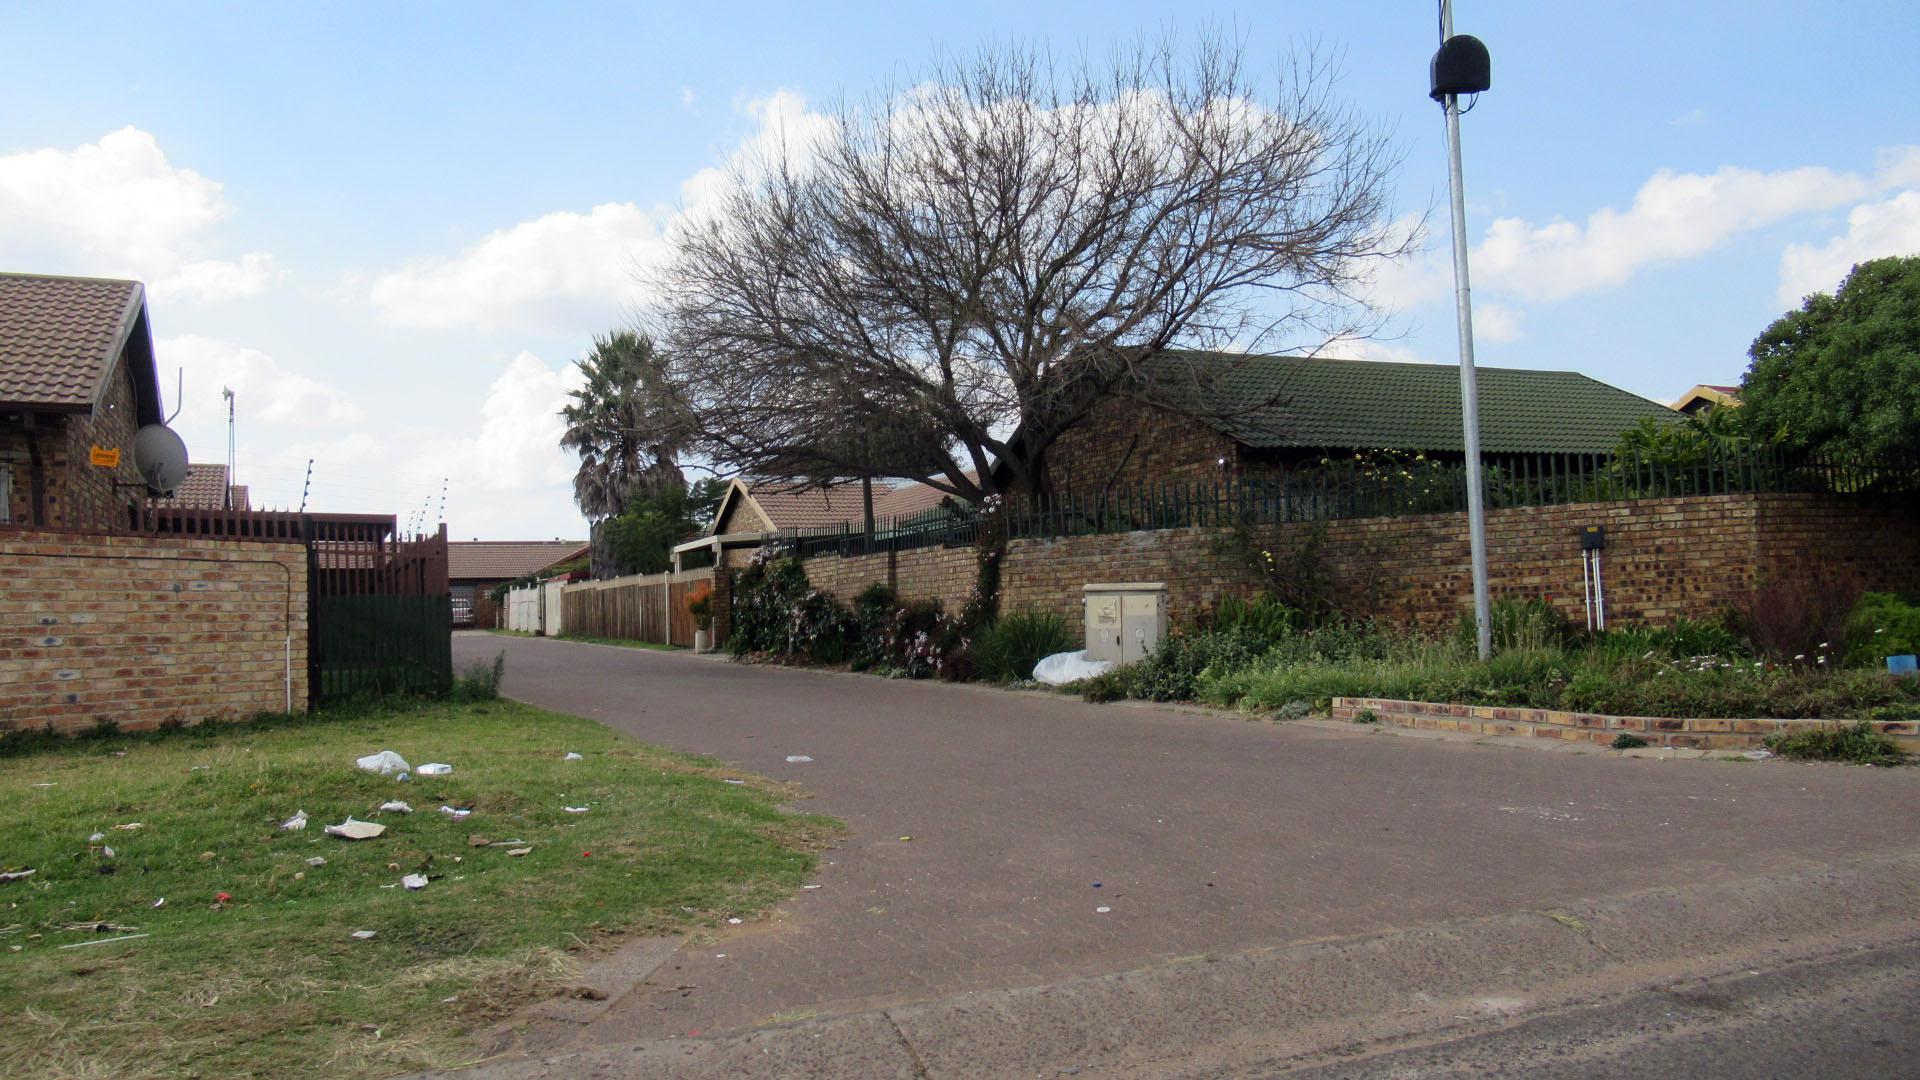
1125, 621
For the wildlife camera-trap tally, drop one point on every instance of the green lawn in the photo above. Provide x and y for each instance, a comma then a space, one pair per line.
272, 983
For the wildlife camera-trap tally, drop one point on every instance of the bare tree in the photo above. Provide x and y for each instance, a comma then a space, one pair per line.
956, 275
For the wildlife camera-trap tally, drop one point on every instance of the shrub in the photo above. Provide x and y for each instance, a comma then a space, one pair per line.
1797, 616
873, 612
481, 680
1174, 671
1685, 638
1882, 625
1008, 651
1860, 743
1519, 624
776, 610
1113, 685
1627, 740
700, 605
1259, 616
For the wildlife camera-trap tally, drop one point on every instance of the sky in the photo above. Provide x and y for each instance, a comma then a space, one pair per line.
392, 229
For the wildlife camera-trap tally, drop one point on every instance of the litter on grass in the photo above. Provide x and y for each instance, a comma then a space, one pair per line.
521, 851
414, 882
295, 823
386, 763
364, 935
736, 921
104, 941
396, 806
809, 886
106, 853
317, 860
736, 781
44, 785
162, 902
454, 813
434, 768
131, 825
798, 759
356, 830
506, 843
96, 838
571, 756
575, 809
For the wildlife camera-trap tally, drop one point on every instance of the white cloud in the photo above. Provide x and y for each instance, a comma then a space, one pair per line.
564, 271
119, 208
1673, 217
572, 272
211, 280
1497, 324
267, 394
1874, 230
1349, 347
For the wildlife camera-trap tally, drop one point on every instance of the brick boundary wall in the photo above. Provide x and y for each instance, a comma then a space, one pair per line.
141, 630
1690, 557
1661, 731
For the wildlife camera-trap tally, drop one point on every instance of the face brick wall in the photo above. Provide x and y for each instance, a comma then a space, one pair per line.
1126, 443
77, 493
143, 630
1666, 558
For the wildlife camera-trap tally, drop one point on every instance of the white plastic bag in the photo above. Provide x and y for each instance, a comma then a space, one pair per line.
1063, 668
386, 763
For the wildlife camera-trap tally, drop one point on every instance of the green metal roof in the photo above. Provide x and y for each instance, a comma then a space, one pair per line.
1272, 402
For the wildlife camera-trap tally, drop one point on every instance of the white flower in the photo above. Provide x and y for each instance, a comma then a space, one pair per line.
1822, 660
1823, 644
1800, 656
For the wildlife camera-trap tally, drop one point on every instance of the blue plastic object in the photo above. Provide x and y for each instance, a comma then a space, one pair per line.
1903, 664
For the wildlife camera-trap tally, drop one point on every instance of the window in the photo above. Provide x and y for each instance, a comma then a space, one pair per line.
6, 493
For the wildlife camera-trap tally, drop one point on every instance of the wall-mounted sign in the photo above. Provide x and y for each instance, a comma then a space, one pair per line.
105, 458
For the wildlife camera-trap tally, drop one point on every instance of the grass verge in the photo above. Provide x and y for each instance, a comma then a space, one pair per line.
271, 982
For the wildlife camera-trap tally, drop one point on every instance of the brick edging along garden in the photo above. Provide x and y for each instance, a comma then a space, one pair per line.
1693, 734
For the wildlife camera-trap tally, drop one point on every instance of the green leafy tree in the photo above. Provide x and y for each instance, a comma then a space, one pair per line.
640, 540
1841, 374
626, 424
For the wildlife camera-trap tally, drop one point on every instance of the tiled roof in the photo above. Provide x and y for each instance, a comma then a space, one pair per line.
59, 337
204, 489
504, 560
1288, 402
792, 507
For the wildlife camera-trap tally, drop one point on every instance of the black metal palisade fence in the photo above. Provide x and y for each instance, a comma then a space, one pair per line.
1377, 487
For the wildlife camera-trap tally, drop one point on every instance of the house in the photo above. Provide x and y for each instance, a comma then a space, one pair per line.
1707, 397
752, 511
1253, 417
77, 381
476, 567
206, 488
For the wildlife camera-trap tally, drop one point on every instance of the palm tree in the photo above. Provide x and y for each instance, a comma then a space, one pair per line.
626, 423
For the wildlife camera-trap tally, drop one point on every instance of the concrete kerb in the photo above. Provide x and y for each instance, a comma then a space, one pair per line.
1306, 998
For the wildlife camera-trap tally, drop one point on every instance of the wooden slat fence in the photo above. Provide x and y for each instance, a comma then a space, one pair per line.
644, 607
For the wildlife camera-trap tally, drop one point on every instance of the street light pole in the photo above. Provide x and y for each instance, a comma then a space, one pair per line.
1469, 384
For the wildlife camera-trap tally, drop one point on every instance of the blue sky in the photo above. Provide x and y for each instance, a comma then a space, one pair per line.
392, 227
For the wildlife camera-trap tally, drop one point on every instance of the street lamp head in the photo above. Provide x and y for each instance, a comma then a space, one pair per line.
1462, 66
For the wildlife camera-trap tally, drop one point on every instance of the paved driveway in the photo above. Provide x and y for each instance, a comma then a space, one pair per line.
1029, 813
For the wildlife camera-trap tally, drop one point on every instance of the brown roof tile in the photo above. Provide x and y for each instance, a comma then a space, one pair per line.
204, 489
59, 337
504, 560
835, 504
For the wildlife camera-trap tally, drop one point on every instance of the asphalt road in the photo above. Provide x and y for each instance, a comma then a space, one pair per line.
990, 830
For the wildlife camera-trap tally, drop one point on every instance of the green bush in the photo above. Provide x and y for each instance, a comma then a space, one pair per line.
1684, 639
776, 610
1881, 625
1008, 651
1519, 624
1627, 740
1260, 616
1174, 671
1116, 684
1860, 743
481, 680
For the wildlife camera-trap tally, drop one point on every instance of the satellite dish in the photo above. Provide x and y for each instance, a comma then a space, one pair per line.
161, 459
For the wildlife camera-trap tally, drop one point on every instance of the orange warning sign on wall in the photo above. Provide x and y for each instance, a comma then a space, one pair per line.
105, 458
